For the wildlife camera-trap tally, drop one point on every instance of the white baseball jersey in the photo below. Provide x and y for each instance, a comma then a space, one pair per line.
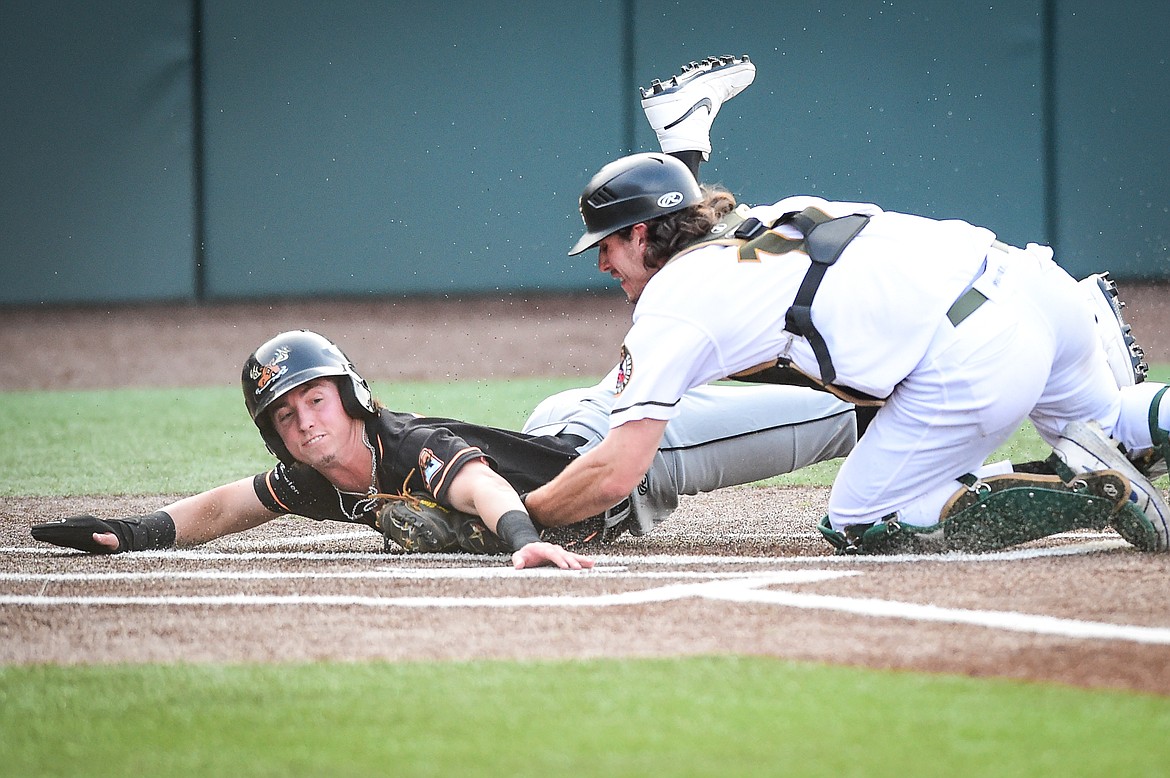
708, 314
954, 391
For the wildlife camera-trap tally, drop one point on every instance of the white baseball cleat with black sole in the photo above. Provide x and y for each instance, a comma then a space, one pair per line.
1126, 358
1084, 447
681, 108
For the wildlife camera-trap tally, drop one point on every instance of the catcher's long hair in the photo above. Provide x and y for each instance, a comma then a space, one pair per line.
667, 235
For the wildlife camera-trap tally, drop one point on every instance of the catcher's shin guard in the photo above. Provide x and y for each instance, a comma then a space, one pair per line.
1154, 462
995, 513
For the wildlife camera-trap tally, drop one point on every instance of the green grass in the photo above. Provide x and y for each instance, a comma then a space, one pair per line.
695, 716
723, 716
175, 441
168, 441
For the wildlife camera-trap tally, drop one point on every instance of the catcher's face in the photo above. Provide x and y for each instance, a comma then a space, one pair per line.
313, 423
624, 259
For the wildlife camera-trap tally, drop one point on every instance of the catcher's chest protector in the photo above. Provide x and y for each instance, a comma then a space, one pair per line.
824, 238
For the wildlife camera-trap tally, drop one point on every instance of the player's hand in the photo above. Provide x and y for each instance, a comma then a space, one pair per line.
84, 533
109, 536
537, 554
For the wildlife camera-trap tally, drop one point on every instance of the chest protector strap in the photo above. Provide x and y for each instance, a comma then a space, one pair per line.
823, 239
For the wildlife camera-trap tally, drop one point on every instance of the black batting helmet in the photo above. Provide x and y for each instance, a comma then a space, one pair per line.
632, 190
289, 360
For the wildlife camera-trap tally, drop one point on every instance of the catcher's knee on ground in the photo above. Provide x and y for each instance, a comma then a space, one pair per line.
998, 512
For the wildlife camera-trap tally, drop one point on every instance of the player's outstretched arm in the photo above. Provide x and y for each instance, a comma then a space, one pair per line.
600, 478
479, 490
224, 510
193, 520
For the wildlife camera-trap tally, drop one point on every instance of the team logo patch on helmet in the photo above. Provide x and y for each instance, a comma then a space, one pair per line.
264, 375
670, 199
429, 464
625, 369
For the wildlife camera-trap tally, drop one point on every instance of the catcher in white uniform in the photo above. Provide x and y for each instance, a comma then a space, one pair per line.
722, 435
952, 335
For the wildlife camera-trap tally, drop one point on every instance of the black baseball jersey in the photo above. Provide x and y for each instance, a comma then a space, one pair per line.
420, 454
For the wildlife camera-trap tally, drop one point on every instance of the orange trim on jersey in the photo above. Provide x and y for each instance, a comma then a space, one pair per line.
469, 451
272, 492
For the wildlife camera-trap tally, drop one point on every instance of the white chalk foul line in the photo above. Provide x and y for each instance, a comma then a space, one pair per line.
1090, 547
658, 594
404, 573
742, 589
1006, 620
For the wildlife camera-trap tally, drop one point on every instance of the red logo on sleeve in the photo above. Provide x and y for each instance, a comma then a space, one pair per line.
625, 369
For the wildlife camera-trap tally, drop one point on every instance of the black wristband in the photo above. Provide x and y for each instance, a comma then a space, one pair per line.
145, 533
516, 529
159, 528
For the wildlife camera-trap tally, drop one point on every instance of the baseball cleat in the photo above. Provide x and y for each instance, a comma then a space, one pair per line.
1126, 358
1145, 521
682, 108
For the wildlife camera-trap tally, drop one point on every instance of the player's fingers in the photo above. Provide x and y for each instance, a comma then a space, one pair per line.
576, 561
107, 539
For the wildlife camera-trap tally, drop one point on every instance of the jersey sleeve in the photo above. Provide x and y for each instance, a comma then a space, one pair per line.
661, 359
437, 455
298, 490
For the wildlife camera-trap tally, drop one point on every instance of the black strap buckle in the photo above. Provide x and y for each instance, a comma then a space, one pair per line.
750, 228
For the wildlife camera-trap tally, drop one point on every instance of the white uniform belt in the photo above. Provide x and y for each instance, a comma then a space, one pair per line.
970, 300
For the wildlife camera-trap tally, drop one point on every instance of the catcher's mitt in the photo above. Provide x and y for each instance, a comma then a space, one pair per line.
420, 525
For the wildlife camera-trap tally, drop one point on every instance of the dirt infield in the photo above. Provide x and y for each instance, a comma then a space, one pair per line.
740, 571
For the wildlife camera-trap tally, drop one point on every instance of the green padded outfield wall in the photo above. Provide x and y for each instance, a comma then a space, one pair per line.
374, 148
384, 147
440, 148
1111, 194
927, 107
96, 197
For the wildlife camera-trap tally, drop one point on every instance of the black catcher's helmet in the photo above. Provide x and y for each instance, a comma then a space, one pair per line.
289, 360
631, 190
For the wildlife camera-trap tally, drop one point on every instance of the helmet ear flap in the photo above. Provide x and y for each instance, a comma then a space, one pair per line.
356, 397
274, 443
